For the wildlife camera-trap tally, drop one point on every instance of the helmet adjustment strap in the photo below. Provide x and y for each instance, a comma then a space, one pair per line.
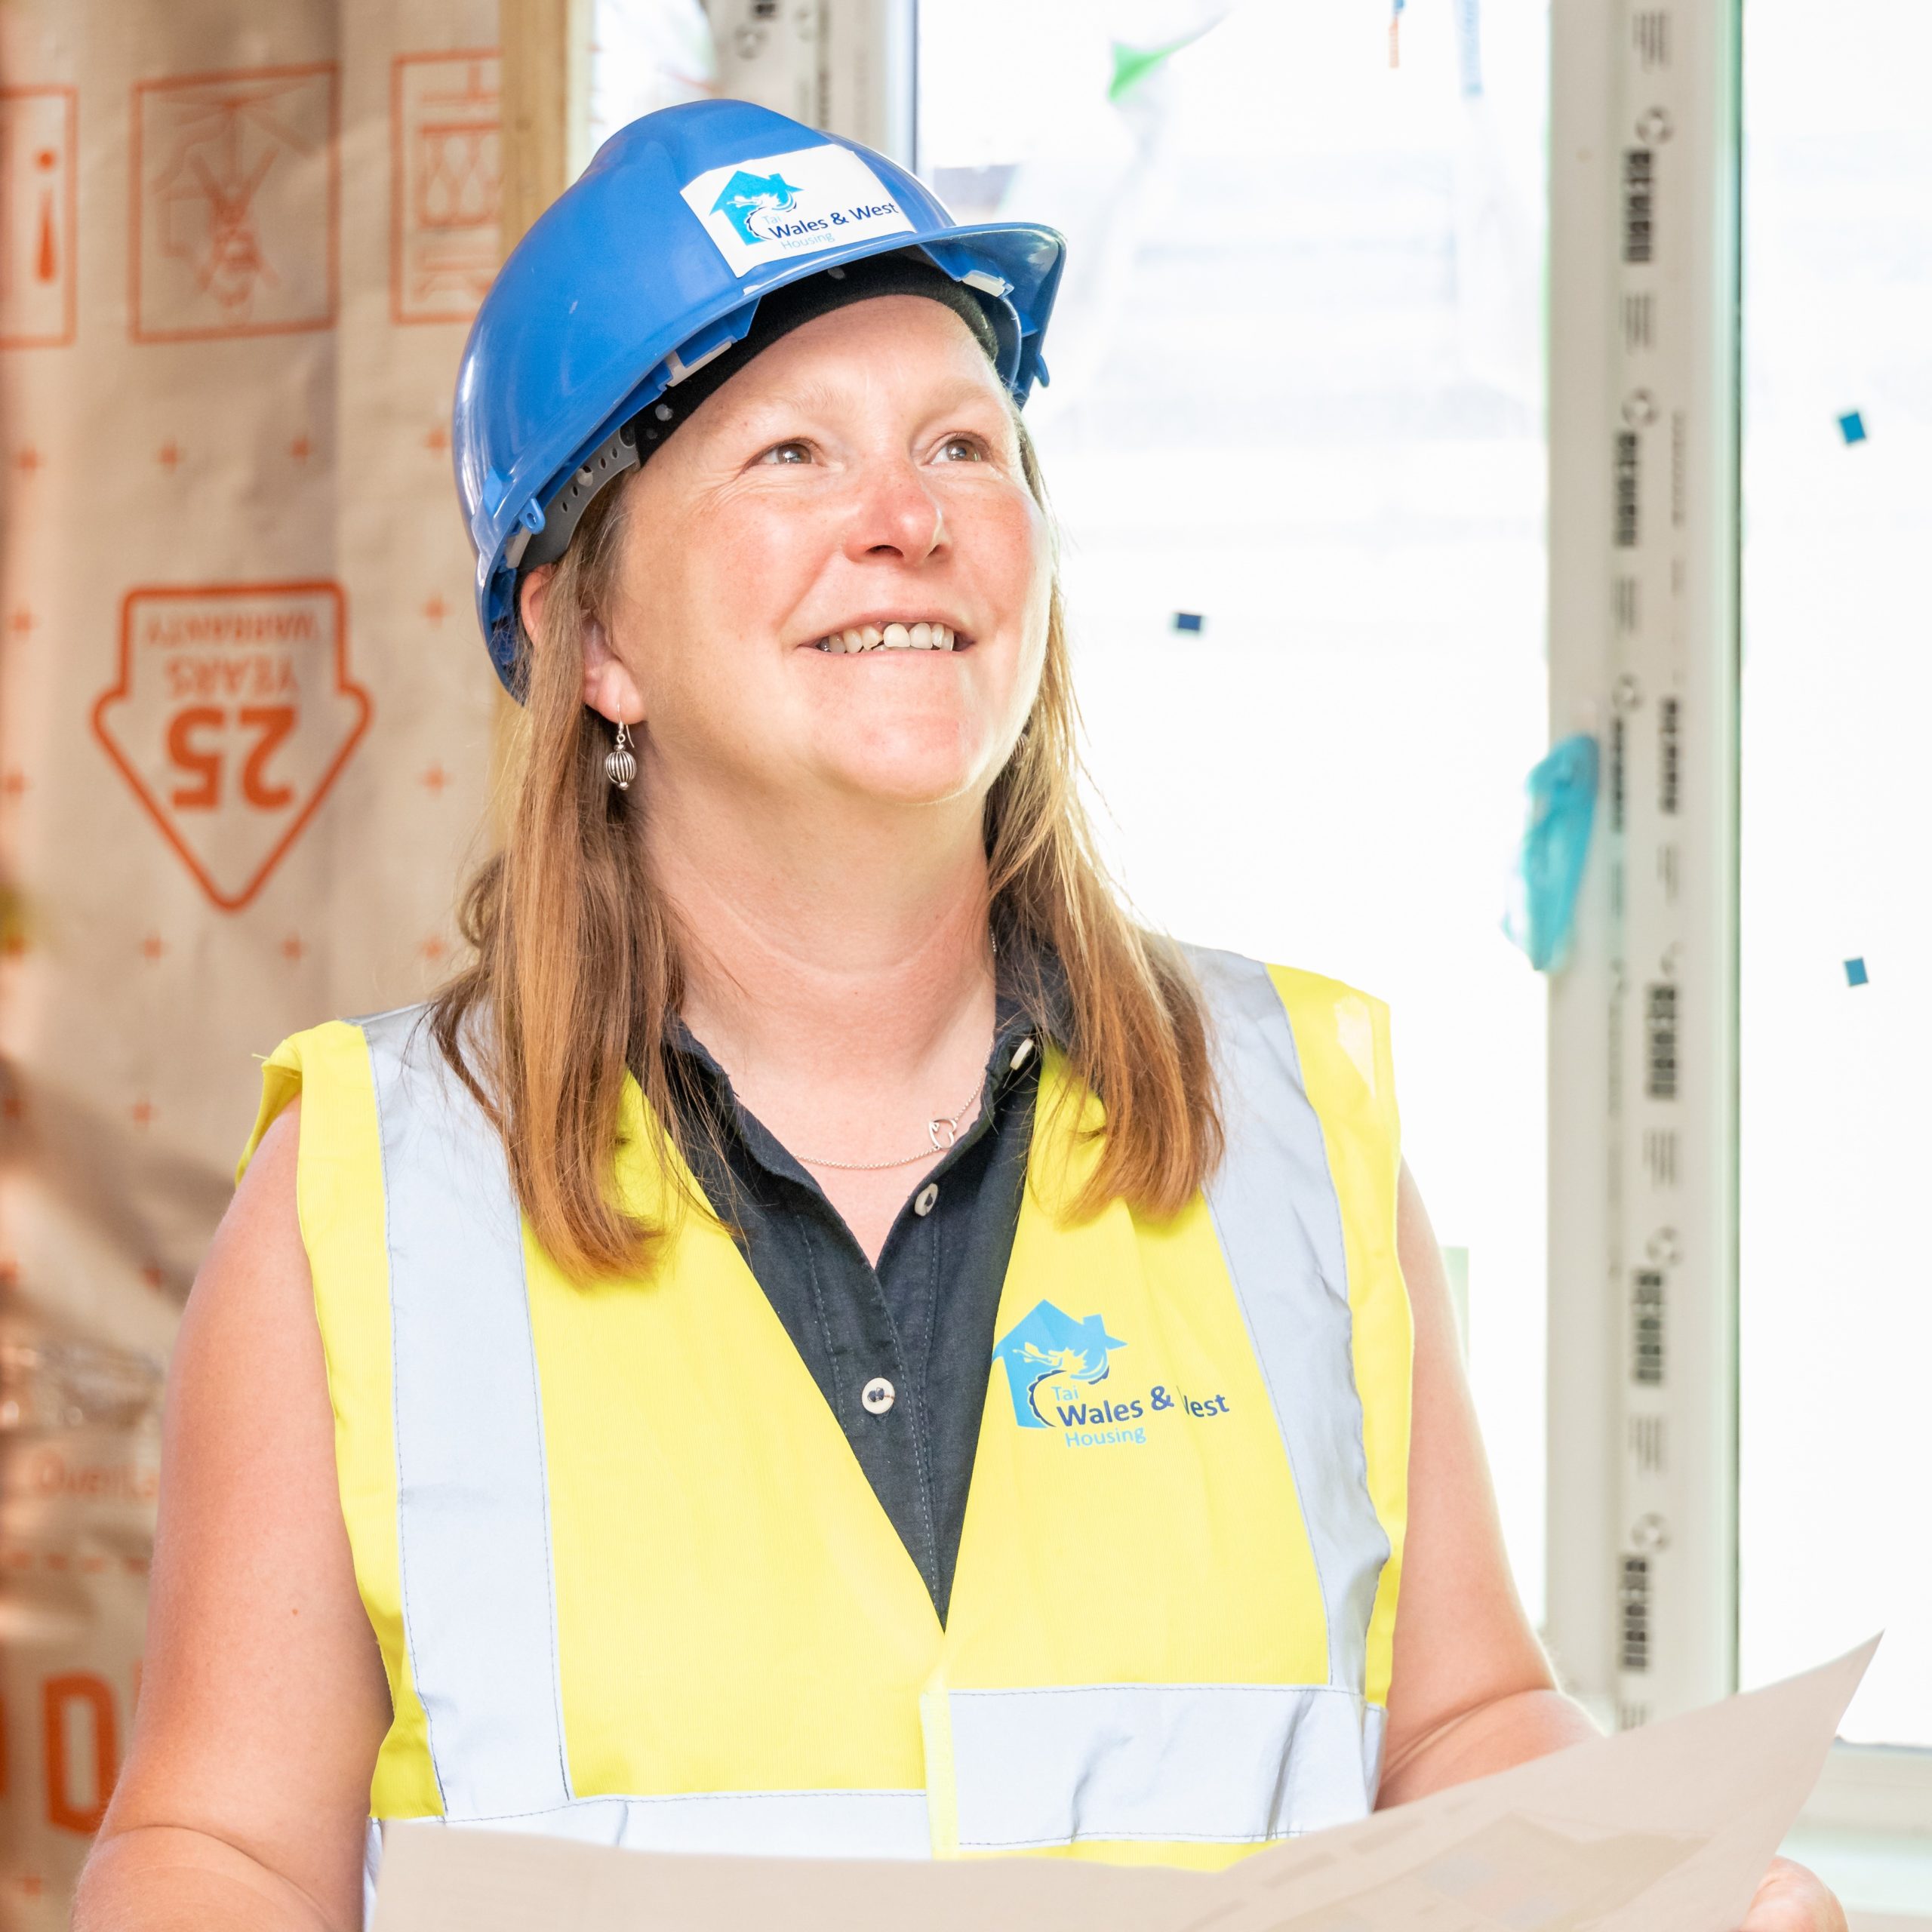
616, 453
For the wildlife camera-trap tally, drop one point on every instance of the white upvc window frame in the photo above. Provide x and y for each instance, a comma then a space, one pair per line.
850, 67
1645, 148
1643, 655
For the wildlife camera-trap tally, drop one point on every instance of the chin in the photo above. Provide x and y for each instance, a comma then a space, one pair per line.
909, 754
900, 785
914, 771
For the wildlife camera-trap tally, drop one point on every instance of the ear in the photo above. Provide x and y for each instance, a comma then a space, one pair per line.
531, 595
608, 686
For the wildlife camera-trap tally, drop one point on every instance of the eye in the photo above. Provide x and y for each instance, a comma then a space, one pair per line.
962, 449
796, 450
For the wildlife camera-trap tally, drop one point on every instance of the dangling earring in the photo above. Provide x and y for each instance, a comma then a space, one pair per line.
620, 762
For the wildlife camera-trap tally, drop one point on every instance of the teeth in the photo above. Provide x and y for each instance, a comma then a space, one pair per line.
891, 637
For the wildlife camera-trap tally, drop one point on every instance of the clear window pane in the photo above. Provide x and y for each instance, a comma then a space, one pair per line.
1837, 936
1296, 396
646, 54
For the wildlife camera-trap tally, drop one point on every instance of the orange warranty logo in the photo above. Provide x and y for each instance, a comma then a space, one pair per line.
233, 712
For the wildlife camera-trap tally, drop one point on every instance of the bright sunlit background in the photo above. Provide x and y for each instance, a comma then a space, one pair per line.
1837, 1327
1297, 393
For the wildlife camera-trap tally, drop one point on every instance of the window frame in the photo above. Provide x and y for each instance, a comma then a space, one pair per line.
1643, 656
1603, 1207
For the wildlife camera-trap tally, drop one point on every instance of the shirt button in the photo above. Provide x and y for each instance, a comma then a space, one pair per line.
923, 1201
878, 1395
1022, 1054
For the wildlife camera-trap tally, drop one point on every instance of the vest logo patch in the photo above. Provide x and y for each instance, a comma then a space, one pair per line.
1050, 1345
1052, 1359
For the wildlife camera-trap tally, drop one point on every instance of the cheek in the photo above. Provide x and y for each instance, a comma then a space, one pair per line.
1012, 556
705, 595
750, 564
782, 528
1006, 552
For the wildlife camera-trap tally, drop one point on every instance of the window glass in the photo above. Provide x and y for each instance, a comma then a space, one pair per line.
646, 54
1837, 926
1294, 436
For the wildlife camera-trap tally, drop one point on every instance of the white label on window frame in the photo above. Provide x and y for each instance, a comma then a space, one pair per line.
795, 204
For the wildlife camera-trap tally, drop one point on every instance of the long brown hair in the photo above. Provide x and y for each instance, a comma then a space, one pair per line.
576, 971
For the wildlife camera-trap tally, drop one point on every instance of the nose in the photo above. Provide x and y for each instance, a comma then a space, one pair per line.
895, 515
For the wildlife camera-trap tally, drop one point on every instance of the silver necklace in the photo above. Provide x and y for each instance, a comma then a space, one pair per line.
947, 1124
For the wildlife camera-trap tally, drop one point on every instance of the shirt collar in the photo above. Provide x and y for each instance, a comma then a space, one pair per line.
1028, 980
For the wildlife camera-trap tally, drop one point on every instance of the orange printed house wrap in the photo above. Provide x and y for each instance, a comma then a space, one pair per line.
245, 716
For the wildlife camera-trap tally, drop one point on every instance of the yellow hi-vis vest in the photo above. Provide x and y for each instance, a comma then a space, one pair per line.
631, 1585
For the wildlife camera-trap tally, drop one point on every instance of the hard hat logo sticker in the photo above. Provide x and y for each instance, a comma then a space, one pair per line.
764, 209
747, 196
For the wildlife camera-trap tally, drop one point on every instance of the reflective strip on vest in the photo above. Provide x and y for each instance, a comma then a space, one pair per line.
1240, 1763
1115, 1763
1280, 1227
477, 1611
1031, 1767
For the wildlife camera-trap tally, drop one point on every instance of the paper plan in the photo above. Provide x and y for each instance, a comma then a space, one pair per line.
1667, 1829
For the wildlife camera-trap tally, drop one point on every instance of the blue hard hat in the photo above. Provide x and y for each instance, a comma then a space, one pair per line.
652, 263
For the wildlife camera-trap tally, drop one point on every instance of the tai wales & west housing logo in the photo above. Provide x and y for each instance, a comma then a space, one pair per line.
1052, 1358
763, 208
746, 196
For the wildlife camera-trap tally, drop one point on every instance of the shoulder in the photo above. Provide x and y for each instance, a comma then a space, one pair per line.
328, 1065
1235, 982
1336, 1035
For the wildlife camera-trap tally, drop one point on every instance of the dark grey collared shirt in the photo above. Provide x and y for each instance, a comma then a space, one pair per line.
923, 1319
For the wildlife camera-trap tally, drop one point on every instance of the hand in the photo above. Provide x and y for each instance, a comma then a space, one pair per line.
1794, 1899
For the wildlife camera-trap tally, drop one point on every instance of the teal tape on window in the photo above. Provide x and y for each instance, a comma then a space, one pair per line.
1562, 792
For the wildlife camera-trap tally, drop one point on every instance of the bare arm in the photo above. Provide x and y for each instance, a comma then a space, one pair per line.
1471, 1691
243, 1801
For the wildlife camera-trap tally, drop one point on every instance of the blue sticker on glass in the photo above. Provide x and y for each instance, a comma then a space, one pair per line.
1556, 841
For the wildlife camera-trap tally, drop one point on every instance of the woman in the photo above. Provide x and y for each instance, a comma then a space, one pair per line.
826, 1337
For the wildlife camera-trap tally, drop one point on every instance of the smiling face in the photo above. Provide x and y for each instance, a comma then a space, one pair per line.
795, 562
